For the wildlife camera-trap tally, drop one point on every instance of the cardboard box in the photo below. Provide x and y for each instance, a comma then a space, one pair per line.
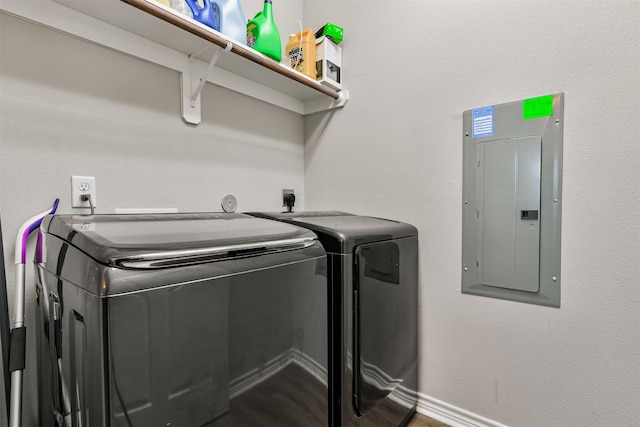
328, 63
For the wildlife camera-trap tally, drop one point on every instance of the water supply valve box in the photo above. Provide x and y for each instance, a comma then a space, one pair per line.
328, 63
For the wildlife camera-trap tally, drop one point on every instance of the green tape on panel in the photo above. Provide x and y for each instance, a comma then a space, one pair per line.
533, 108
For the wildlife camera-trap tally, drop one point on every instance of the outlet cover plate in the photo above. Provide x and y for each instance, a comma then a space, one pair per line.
81, 185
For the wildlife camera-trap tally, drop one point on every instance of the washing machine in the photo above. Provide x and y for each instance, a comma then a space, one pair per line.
373, 285
181, 320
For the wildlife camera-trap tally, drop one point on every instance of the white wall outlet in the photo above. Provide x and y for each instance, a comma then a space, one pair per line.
80, 186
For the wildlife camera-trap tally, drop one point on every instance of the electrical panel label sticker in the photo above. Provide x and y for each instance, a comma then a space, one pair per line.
482, 124
533, 108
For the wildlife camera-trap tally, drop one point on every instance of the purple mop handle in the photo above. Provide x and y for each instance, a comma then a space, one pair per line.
30, 229
18, 345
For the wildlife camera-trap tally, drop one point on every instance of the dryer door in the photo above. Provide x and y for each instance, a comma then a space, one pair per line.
385, 321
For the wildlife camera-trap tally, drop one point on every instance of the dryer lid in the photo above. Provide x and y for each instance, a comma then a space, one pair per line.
167, 240
341, 232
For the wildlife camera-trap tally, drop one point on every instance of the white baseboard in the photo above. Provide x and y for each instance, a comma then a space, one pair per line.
307, 363
451, 415
399, 394
254, 377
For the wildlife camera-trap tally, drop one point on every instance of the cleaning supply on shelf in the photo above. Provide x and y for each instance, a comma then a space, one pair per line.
203, 14
181, 6
301, 52
328, 63
262, 33
330, 31
230, 19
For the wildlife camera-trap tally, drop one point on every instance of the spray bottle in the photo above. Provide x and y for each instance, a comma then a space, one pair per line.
263, 35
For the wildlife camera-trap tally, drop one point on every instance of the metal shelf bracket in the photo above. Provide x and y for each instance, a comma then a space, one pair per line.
191, 107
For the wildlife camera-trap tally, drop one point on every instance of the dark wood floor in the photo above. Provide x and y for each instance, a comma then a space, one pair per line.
295, 395
282, 400
422, 421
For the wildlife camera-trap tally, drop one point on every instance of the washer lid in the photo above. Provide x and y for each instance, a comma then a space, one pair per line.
341, 232
168, 240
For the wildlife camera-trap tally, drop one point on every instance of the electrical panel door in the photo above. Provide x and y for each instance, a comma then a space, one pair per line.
509, 204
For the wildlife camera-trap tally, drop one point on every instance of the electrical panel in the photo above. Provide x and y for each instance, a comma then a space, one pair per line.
512, 185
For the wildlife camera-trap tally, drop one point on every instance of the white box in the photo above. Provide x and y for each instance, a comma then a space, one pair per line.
328, 63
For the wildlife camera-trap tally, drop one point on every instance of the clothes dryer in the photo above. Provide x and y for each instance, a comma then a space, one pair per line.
373, 285
181, 320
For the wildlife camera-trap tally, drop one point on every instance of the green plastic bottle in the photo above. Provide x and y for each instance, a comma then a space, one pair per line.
263, 35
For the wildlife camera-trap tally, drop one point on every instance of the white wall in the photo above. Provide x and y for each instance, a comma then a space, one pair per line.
68, 107
412, 68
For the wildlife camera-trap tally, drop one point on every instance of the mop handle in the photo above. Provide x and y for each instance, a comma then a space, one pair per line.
18, 333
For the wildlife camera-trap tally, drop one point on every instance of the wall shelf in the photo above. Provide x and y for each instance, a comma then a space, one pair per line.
153, 32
